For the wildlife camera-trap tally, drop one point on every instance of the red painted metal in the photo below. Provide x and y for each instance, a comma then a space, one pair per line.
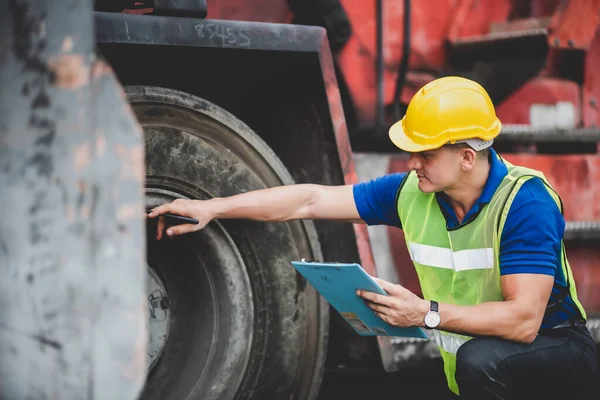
357, 58
276, 11
435, 24
543, 8
538, 91
584, 262
250, 10
474, 17
432, 31
574, 177
574, 24
591, 87
344, 149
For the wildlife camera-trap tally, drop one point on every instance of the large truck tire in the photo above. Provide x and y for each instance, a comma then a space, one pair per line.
229, 317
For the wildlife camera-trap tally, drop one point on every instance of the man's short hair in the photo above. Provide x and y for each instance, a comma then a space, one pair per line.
459, 146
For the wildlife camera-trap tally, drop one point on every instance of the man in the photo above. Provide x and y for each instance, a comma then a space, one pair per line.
485, 238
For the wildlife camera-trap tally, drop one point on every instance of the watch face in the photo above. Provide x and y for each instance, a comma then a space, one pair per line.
432, 319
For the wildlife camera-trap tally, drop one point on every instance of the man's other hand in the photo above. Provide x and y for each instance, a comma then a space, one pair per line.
400, 308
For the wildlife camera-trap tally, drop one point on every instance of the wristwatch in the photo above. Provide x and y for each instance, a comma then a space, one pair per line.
432, 318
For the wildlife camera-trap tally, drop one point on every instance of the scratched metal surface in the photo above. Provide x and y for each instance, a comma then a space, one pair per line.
72, 256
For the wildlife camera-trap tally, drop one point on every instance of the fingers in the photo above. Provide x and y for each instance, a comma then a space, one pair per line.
173, 230
181, 229
376, 298
378, 308
382, 312
384, 317
389, 287
179, 207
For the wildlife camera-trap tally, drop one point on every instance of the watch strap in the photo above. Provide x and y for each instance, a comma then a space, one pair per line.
434, 306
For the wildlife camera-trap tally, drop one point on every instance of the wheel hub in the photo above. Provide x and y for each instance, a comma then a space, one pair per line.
200, 307
159, 317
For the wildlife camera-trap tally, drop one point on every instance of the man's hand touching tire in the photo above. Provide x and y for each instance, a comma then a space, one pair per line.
197, 209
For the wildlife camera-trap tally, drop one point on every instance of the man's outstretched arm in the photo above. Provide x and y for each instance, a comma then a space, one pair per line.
282, 203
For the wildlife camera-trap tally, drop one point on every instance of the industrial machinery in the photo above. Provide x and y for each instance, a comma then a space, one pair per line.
113, 106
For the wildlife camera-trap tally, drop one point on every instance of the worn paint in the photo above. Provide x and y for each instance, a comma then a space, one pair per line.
69, 71
574, 24
100, 143
67, 44
101, 68
517, 108
430, 34
83, 155
126, 211
74, 280
591, 87
136, 368
133, 158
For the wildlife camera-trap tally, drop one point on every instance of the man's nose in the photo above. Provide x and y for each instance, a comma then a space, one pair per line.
414, 162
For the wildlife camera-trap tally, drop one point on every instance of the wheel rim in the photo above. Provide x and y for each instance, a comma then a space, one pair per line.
159, 317
210, 306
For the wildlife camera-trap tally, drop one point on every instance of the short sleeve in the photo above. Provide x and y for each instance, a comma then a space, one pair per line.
376, 199
531, 239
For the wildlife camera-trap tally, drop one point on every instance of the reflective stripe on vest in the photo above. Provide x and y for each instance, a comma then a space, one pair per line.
441, 257
461, 266
448, 342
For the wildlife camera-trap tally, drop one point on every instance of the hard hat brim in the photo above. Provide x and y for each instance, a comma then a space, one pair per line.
403, 142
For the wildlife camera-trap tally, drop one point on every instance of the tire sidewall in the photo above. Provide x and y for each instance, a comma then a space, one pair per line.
291, 319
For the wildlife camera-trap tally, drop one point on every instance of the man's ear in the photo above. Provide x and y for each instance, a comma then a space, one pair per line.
469, 156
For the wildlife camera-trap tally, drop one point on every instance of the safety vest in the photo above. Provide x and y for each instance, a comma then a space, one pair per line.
461, 266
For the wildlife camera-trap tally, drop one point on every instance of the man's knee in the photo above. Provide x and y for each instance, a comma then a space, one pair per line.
477, 362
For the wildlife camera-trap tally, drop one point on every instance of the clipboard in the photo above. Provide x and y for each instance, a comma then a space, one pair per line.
337, 283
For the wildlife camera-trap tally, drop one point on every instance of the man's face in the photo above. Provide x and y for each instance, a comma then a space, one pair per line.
438, 170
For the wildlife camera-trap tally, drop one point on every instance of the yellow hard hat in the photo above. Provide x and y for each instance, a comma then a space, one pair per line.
447, 110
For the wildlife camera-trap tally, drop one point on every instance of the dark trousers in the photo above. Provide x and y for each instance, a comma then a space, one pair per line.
559, 364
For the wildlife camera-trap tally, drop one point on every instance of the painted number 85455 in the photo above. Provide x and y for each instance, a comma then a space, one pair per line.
229, 36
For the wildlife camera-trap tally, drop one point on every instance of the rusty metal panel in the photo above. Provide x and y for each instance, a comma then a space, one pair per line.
591, 85
520, 106
357, 59
575, 178
574, 24
72, 237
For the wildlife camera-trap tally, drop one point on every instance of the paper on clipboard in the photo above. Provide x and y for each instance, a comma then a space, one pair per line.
337, 283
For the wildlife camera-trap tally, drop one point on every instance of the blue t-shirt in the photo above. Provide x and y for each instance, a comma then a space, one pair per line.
531, 239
